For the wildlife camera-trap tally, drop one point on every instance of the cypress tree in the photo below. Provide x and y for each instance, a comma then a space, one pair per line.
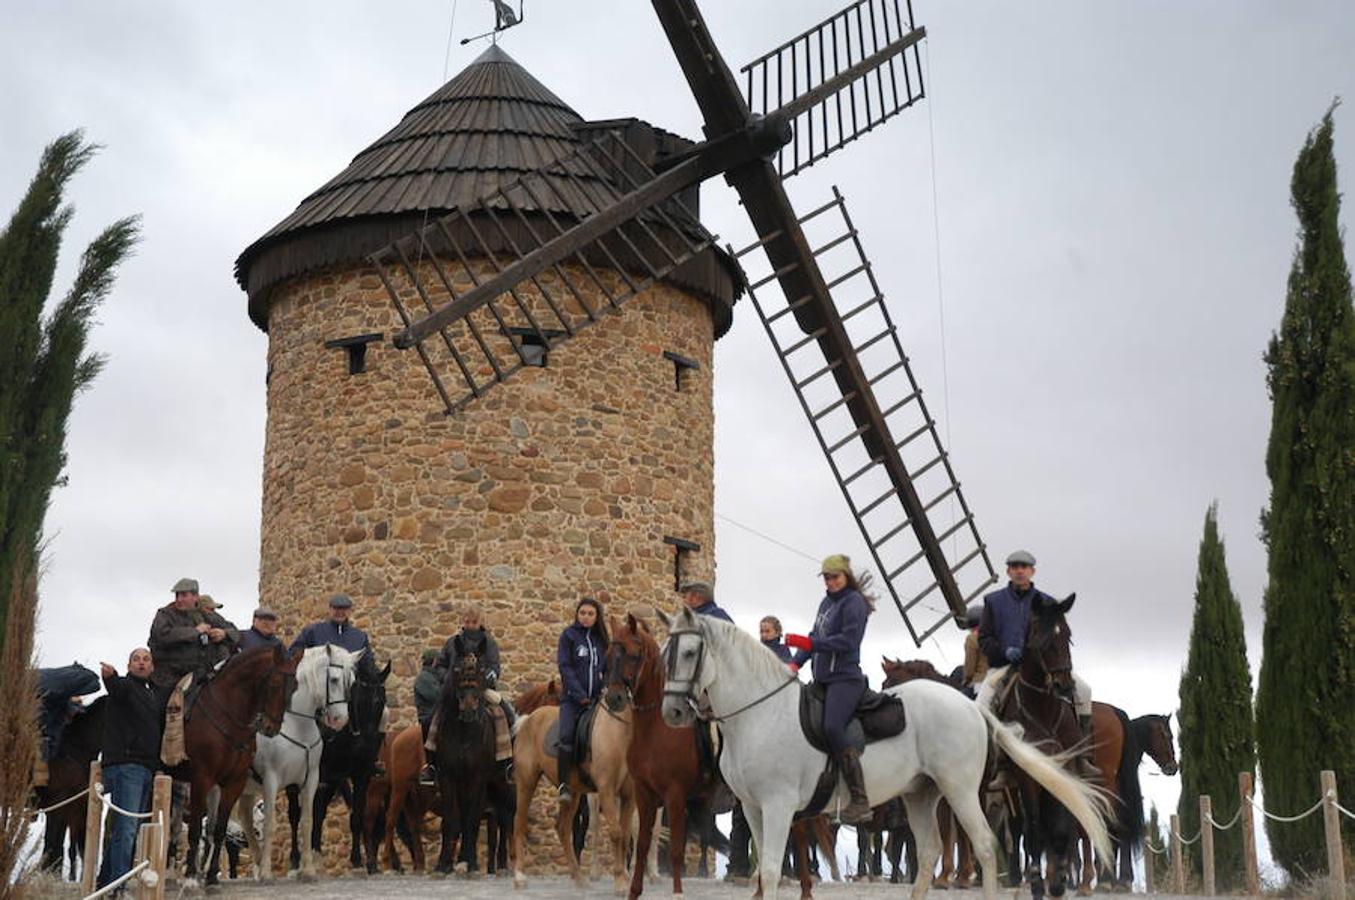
1216, 707
44, 362
1304, 715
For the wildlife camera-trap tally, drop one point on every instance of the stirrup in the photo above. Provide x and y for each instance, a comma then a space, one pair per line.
563, 793
428, 774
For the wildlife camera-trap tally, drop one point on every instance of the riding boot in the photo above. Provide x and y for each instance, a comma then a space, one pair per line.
858, 810
1086, 762
563, 763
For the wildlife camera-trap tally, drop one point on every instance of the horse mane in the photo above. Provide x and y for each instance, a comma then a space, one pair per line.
899, 671
760, 657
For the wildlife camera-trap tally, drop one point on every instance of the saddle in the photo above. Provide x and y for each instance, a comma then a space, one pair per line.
877, 716
582, 736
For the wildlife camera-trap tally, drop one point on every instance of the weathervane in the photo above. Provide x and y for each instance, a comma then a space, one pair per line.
800, 102
504, 19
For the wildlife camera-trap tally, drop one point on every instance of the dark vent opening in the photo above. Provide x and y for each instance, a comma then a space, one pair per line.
356, 348
680, 364
681, 548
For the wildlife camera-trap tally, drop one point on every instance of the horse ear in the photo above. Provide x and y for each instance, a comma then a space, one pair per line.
1067, 603
631, 622
666, 619
386, 671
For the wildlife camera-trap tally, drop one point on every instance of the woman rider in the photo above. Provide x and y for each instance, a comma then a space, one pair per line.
581, 656
834, 644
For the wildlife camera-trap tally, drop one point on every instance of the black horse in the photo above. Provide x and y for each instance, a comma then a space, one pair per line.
465, 762
68, 775
348, 763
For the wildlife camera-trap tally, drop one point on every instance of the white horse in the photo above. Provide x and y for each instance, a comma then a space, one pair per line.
773, 769
324, 680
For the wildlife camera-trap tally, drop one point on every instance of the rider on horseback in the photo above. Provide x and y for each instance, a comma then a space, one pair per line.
835, 646
474, 639
582, 658
1002, 638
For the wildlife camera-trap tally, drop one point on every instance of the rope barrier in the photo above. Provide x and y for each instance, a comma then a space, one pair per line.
1189, 841
1158, 850
1345, 812
123, 879
103, 798
1231, 822
1276, 818
60, 803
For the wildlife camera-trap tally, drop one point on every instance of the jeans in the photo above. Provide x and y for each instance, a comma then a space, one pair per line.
129, 787
56, 687
838, 708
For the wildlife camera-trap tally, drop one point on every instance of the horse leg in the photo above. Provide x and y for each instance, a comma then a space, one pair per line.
526, 784
1089, 867
646, 804
472, 811
945, 826
1034, 840
293, 793
307, 868
921, 807
564, 818
977, 838
357, 814
447, 789
754, 816
827, 843
675, 801
230, 793
774, 821
800, 841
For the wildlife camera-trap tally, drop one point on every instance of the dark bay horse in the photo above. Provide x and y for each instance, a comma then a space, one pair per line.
465, 762
68, 775
250, 693
1040, 699
348, 763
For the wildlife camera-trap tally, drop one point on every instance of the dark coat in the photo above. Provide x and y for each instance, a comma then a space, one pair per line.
582, 659
427, 690
251, 638
317, 634
1005, 620
710, 609
781, 650
132, 723
838, 629
177, 647
477, 641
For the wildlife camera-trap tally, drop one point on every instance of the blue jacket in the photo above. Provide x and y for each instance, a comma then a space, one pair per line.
781, 650
838, 629
710, 609
1005, 620
317, 634
249, 639
582, 660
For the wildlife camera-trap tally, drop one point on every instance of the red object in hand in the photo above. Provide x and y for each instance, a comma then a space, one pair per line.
794, 669
800, 642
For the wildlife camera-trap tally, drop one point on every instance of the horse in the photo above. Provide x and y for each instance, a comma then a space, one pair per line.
957, 873
547, 693
607, 776
465, 762
348, 763
320, 703
68, 775
249, 694
403, 757
774, 770
664, 762
1040, 700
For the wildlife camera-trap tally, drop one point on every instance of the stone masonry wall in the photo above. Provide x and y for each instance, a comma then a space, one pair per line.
560, 483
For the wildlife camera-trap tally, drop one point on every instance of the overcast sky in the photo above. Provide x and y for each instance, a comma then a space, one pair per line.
1113, 228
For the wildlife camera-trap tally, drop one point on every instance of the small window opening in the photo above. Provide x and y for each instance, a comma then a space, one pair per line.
683, 548
681, 364
535, 344
356, 348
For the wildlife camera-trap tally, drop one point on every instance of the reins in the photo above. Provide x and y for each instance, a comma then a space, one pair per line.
688, 694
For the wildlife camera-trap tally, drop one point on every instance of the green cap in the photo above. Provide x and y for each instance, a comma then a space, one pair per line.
429, 656
185, 586
837, 564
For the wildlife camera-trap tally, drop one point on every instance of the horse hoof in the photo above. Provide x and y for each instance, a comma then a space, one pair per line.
306, 877
519, 882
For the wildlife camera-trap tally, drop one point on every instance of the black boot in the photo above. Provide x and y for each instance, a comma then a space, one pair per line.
1086, 762
858, 810
562, 792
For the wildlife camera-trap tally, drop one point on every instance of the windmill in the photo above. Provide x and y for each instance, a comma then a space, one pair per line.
828, 323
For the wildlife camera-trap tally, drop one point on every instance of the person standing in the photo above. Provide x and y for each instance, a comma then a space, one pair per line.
336, 630
131, 748
834, 645
581, 656
262, 632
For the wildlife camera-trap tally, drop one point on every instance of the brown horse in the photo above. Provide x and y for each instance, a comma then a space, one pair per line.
957, 865
403, 757
68, 775
607, 775
249, 694
538, 695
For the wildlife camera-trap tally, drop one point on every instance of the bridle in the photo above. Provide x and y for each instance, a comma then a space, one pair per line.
630, 683
259, 698
689, 692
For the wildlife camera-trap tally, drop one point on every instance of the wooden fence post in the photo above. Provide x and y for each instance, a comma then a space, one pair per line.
1248, 825
94, 813
161, 804
1207, 843
1149, 862
143, 851
1331, 818
1178, 863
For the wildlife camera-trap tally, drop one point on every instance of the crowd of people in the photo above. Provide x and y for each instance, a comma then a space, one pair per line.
189, 637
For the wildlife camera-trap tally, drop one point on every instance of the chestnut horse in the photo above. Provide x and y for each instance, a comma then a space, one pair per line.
69, 775
250, 693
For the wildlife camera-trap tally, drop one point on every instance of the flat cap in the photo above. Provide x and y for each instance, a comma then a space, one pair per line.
185, 586
265, 612
699, 588
1020, 558
342, 601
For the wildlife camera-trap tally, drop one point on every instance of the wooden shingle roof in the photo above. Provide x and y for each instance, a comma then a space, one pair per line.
484, 129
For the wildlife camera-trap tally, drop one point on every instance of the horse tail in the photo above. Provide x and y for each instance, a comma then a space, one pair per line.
1127, 783
1089, 804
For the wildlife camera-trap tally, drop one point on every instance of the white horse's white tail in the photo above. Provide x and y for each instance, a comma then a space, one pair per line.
1089, 804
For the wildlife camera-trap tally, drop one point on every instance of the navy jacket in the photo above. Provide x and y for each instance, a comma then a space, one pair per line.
317, 634
710, 609
251, 638
838, 629
582, 659
477, 641
781, 650
132, 727
1005, 620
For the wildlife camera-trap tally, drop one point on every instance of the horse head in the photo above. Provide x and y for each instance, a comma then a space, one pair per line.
897, 671
537, 696
275, 688
1048, 658
684, 660
631, 655
1161, 746
468, 686
367, 703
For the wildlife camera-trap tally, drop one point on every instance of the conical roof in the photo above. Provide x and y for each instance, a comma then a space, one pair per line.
484, 129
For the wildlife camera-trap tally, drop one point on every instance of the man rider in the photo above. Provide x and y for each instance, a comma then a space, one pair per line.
336, 630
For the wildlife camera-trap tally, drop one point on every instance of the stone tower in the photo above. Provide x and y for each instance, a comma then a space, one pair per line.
588, 475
